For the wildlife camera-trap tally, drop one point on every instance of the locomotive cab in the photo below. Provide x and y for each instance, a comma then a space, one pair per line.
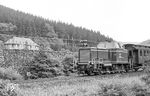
91, 59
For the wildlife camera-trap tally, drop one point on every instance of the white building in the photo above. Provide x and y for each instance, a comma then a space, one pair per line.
21, 43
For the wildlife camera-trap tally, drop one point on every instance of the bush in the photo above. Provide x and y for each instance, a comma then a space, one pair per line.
42, 67
146, 78
56, 47
7, 88
71, 48
112, 90
9, 73
147, 69
68, 64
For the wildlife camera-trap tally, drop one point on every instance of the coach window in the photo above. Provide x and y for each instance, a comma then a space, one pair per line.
140, 52
144, 52
130, 53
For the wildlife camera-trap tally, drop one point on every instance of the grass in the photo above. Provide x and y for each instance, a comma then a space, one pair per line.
115, 86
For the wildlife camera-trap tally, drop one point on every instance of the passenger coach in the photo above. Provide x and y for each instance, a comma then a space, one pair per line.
138, 55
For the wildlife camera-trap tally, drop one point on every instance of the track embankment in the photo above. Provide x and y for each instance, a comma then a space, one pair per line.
79, 78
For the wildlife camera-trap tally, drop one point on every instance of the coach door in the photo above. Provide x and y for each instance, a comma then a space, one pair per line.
135, 56
130, 58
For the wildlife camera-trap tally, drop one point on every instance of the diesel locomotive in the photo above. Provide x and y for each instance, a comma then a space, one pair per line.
112, 57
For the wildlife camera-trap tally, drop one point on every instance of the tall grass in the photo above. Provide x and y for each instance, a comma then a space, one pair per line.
9, 73
116, 86
8, 89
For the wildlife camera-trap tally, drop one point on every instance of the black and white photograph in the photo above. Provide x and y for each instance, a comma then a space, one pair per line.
74, 47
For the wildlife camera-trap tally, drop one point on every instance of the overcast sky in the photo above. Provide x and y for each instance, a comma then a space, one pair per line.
123, 20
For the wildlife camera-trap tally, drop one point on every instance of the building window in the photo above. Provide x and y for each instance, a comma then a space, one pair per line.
17, 45
13, 45
30, 47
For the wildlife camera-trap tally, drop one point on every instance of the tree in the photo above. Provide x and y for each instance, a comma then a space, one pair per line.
29, 25
43, 67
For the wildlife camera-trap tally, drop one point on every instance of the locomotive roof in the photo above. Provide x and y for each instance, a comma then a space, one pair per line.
103, 48
109, 45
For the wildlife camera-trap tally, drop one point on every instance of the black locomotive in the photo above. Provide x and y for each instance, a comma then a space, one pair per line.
111, 57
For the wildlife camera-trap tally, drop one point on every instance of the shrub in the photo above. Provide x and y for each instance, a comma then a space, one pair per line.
9, 73
56, 47
112, 90
7, 88
139, 90
146, 78
43, 67
147, 69
68, 64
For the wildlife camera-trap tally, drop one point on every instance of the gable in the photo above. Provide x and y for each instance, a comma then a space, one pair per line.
21, 40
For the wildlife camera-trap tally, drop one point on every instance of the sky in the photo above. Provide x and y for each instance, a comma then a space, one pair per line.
122, 20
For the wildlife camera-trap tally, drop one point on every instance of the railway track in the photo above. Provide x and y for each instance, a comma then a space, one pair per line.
78, 78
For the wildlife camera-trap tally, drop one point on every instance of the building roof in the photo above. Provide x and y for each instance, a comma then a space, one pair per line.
105, 45
21, 40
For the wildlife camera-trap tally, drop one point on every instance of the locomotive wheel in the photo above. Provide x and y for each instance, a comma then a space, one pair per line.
96, 73
127, 68
136, 69
89, 72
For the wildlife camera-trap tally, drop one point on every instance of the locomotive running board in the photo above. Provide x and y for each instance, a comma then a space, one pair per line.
83, 63
108, 64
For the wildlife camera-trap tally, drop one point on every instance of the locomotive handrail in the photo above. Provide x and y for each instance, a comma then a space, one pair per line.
97, 60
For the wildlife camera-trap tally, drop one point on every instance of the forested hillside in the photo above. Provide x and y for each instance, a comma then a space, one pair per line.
146, 42
24, 24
